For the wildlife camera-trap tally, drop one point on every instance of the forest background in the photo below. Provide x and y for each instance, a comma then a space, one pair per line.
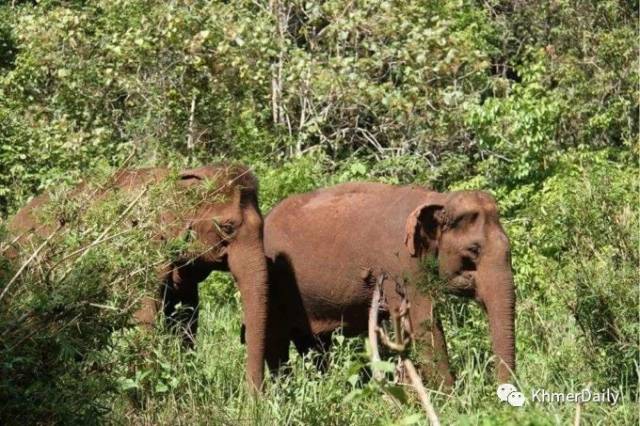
535, 102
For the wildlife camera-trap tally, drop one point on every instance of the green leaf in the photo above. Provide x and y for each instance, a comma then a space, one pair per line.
127, 384
384, 366
397, 392
353, 395
410, 420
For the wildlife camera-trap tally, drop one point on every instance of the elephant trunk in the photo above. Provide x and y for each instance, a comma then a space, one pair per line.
494, 281
249, 268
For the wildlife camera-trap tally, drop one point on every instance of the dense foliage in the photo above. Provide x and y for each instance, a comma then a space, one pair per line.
536, 102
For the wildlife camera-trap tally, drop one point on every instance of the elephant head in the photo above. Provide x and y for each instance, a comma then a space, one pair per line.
225, 221
463, 231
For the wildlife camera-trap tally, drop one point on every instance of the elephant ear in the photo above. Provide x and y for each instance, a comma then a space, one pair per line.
423, 225
227, 187
232, 180
195, 175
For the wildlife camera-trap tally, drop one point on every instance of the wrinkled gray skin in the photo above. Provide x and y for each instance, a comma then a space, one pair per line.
326, 249
228, 225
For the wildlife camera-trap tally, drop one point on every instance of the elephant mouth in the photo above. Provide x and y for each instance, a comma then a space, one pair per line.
463, 284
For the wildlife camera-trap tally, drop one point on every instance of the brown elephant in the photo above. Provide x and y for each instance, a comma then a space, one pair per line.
225, 221
327, 248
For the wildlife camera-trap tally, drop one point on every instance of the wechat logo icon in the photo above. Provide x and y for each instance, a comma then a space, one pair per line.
509, 393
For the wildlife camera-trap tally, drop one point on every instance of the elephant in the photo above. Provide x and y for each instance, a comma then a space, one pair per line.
327, 247
225, 220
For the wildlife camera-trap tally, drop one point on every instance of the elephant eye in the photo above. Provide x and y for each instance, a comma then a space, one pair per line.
226, 229
457, 221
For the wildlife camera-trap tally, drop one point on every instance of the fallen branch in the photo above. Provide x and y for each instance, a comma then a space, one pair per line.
373, 328
416, 382
576, 419
403, 334
394, 346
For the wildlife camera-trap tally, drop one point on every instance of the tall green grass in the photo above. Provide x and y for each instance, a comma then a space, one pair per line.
70, 355
209, 384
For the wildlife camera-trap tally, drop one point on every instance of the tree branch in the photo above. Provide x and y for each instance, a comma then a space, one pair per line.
421, 391
373, 328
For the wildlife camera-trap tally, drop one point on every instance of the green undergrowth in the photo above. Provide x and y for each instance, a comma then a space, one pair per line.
535, 102
71, 355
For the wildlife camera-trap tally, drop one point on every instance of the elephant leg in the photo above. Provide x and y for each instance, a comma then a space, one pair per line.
145, 316
319, 343
180, 304
441, 356
433, 362
277, 338
323, 346
277, 352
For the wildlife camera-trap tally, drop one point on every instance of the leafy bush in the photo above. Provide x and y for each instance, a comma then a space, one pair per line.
83, 282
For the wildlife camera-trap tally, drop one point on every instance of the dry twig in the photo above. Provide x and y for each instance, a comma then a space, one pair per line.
28, 261
576, 420
373, 327
416, 382
403, 335
103, 236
